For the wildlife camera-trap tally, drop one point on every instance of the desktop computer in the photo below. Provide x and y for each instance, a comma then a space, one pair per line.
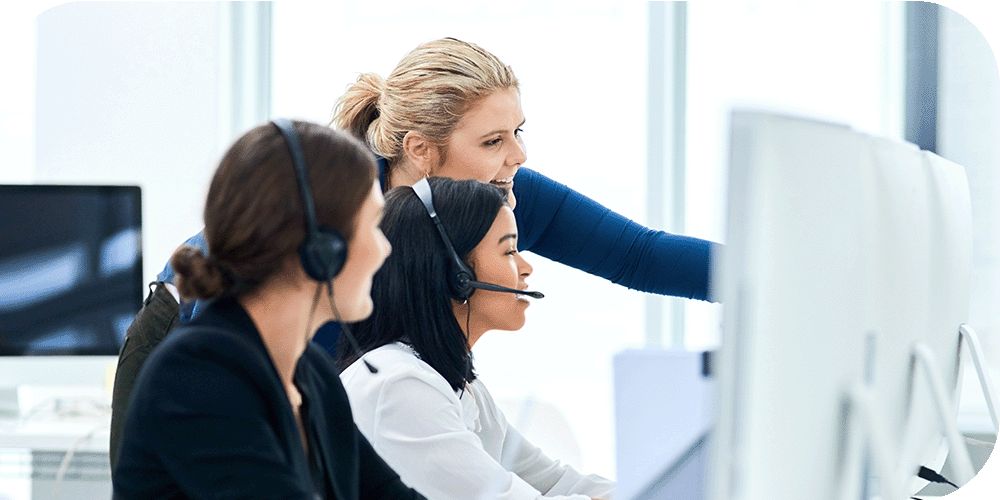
70, 284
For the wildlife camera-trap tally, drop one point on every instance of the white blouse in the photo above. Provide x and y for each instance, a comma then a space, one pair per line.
451, 448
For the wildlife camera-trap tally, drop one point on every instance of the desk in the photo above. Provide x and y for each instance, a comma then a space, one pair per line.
664, 406
32, 453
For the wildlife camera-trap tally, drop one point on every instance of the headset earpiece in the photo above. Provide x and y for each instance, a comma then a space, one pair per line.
323, 251
323, 254
460, 280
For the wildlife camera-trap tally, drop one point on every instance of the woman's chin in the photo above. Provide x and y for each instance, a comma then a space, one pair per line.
516, 325
359, 312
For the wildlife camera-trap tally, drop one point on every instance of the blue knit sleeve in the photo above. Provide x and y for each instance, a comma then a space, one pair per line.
188, 309
565, 226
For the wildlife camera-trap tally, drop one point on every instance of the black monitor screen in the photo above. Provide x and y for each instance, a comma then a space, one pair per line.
70, 268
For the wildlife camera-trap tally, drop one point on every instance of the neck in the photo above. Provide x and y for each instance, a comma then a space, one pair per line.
403, 174
281, 315
474, 333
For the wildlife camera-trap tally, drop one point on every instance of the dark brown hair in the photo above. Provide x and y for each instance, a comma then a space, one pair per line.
254, 218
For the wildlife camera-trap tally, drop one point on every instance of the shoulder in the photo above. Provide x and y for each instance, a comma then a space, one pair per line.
487, 405
530, 180
478, 388
318, 359
320, 368
399, 370
209, 342
199, 365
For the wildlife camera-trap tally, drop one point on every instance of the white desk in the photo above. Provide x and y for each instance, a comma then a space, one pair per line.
32, 453
664, 403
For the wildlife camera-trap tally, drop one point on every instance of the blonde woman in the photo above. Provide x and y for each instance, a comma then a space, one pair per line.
452, 109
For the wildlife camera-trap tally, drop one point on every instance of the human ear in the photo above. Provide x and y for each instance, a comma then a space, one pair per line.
420, 152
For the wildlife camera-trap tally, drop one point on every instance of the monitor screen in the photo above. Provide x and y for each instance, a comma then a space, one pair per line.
70, 268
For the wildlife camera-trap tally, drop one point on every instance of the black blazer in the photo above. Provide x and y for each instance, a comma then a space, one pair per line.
209, 418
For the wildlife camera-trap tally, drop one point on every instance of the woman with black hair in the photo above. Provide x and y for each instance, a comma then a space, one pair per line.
424, 411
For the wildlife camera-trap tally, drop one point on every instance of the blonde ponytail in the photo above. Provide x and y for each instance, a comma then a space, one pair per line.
428, 92
358, 107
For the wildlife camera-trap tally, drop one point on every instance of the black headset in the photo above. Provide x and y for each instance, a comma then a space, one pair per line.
461, 280
324, 250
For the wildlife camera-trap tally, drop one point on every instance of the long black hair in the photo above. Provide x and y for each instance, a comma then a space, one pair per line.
412, 301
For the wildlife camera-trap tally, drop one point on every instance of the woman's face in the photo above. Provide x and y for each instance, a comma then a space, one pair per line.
496, 260
486, 144
366, 252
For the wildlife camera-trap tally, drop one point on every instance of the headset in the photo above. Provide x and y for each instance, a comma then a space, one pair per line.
324, 250
461, 280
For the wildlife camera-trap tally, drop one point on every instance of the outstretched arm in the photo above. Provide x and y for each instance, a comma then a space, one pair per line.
561, 224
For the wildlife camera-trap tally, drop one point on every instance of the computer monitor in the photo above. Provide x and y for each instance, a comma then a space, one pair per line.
792, 338
844, 252
70, 268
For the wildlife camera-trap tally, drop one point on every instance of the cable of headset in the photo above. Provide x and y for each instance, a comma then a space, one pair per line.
468, 349
347, 329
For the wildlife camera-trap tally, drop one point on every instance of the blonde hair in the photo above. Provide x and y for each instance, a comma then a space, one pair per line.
428, 92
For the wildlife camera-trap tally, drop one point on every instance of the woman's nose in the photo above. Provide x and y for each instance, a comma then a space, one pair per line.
520, 153
524, 267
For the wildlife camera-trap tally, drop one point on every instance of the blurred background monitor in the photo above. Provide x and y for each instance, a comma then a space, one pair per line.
70, 268
844, 252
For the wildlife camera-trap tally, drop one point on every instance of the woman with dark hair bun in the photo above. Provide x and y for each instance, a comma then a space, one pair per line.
239, 402
425, 411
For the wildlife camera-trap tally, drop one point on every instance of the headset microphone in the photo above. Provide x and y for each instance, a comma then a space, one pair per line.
497, 288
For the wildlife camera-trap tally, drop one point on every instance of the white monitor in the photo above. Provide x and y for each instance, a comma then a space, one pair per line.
792, 337
843, 253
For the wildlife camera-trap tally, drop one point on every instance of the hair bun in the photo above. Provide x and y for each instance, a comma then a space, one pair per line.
199, 276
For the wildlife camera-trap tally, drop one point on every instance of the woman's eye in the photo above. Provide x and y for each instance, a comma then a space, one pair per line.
511, 252
492, 142
518, 132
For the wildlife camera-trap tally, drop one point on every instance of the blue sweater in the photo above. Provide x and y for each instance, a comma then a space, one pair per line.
565, 226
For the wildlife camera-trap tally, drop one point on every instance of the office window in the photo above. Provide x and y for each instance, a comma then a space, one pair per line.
17, 101
841, 62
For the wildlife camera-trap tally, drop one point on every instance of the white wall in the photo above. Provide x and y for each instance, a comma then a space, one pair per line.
133, 93
17, 94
